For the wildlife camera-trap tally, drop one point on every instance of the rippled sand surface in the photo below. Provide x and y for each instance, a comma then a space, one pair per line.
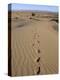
34, 43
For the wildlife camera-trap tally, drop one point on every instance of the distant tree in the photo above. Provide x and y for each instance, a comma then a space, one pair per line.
33, 14
16, 17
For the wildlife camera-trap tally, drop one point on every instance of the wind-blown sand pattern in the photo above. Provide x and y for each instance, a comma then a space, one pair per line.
34, 43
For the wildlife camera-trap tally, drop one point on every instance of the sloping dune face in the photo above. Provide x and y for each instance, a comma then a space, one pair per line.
34, 43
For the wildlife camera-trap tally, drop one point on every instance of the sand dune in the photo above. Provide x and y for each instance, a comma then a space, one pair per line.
34, 44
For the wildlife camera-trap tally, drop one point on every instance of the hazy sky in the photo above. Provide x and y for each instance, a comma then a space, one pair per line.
16, 7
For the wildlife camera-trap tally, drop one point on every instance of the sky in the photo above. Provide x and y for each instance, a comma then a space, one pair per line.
18, 7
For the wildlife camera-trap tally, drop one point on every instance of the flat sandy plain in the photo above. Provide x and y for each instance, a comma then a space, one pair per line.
34, 43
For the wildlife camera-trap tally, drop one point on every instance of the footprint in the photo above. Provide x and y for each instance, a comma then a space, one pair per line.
35, 35
38, 59
38, 41
38, 70
39, 51
33, 44
38, 35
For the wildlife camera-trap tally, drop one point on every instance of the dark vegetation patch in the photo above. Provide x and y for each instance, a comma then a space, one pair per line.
30, 18
34, 19
33, 14
16, 18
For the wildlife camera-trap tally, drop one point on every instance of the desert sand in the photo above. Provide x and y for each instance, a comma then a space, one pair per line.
34, 43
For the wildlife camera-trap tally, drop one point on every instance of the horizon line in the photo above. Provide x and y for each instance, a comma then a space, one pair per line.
32, 7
